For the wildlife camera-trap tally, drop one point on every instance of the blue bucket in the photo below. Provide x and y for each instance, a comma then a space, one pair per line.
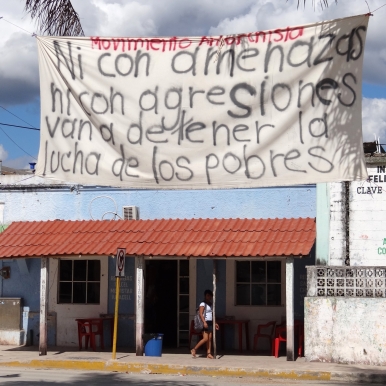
153, 344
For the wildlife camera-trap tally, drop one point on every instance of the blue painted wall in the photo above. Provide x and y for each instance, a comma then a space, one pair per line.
26, 286
126, 324
35, 204
300, 285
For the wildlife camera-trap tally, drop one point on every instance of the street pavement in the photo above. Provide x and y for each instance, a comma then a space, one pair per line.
182, 368
11, 376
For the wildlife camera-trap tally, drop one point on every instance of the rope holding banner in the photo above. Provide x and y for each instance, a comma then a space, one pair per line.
375, 10
221, 45
33, 34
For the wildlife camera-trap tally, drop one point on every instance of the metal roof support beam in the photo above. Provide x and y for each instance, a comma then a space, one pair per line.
289, 294
140, 304
43, 306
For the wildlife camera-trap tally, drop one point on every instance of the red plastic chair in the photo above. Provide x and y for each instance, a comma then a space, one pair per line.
281, 336
270, 335
192, 332
84, 330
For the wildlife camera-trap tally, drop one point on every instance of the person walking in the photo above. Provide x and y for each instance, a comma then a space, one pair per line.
206, 314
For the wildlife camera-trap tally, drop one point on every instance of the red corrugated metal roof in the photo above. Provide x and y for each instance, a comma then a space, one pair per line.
195, 237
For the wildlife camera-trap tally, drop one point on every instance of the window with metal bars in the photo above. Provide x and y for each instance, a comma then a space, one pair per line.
79, 281
258, 283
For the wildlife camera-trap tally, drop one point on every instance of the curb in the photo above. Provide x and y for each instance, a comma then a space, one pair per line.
151, 368
374, 377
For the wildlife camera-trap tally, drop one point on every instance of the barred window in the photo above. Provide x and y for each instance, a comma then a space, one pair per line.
258, 283
79, 281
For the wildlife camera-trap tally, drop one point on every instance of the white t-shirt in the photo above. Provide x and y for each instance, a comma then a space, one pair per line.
208, 313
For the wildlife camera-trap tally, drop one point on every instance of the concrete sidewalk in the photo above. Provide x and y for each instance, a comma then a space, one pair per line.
184, 364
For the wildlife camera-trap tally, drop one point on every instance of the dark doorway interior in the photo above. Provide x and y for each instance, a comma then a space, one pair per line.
161, 300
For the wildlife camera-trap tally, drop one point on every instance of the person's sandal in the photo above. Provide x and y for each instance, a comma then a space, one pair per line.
193, 352
210, 356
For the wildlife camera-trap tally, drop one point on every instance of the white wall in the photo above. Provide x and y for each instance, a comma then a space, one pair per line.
368, 219
67, 330
345, 330
2, 213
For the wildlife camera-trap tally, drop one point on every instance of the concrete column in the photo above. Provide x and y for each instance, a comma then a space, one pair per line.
139, 304
289, 273
322, 223
43, 306
338, 224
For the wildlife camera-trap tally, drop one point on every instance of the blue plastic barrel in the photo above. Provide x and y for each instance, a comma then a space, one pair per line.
153, 344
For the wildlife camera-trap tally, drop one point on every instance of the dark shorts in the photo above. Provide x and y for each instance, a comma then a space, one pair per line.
210, 326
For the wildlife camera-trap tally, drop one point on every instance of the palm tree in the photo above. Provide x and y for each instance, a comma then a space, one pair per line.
58, 17
55, 17
323, 3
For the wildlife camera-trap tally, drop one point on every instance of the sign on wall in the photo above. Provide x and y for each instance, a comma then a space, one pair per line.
277, 107
120, 262
368, 218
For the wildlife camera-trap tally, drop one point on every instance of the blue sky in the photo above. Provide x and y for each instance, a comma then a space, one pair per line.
19, 78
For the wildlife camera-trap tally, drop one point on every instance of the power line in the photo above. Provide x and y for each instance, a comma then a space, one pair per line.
21, 127
378, 8
17, 182
1, 128
10, 112
17, 26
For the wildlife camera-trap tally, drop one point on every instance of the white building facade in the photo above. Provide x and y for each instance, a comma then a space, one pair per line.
345, 303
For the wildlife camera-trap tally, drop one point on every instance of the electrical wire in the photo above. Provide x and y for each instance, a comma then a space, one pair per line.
17, 182
10, 112
21, 127
103, 215
17, 26
110, 212
378, 8
1, 128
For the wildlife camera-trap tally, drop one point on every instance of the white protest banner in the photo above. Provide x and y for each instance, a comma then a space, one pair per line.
279, 107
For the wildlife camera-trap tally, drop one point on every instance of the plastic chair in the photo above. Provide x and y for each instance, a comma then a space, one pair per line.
281, 336
84, 330
192, 332
270, 335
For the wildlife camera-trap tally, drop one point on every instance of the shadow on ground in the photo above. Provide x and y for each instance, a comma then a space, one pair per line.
52, 378
110, 379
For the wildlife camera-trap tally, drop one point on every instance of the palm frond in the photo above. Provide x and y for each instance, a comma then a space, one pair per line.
55, 17
323, 3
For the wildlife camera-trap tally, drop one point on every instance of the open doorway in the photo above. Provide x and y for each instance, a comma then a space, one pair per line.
161, 299
167, 300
